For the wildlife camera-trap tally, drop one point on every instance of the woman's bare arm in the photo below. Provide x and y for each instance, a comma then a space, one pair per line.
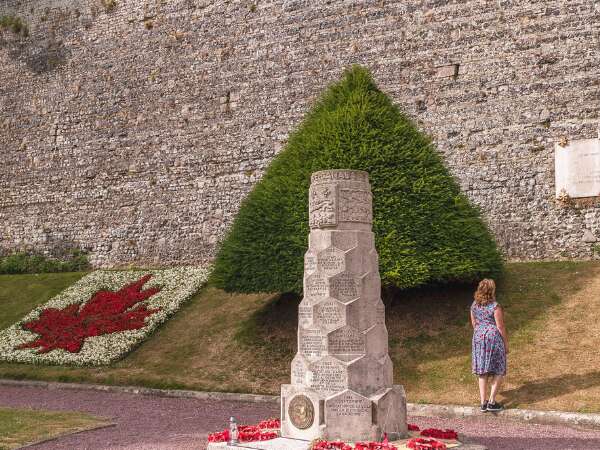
499, 316
473, 321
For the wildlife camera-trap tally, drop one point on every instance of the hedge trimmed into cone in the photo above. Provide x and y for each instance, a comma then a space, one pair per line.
426, 230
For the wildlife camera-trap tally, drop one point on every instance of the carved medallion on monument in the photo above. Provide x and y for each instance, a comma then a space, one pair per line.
342, 377
301, 412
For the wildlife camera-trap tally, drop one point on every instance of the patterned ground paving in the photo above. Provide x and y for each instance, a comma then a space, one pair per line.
145, 422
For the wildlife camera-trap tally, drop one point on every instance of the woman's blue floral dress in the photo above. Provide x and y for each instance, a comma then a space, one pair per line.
489, 355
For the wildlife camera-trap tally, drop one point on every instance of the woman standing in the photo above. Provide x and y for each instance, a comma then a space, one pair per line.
490, 343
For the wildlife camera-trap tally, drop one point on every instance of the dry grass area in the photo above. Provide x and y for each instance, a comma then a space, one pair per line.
245, 343
559, 362
20, 427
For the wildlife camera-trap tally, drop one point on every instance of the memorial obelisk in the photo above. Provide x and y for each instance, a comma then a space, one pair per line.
342, 377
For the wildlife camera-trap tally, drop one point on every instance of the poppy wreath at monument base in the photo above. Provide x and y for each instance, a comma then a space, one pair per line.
264, 431
439, 434
270, 429
425, 444
337, 445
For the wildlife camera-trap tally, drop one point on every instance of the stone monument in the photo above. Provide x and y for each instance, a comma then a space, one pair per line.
342, 378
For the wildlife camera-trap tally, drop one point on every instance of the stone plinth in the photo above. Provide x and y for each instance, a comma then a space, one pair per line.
342, 377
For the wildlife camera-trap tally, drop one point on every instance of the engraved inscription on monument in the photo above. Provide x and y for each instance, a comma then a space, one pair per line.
577, 168
325, 176
305, 315
312, 343
329, 314
331, 261
328, 376
350, 405
349, 410
346, 341
310, 263
299, 370
344, 287
301, 412
315, 287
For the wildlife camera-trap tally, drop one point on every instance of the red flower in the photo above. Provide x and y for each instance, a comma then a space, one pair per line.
425, 444
326, 445
412, 427
440, 434
338, 445
250, 433
105, 313
269, 424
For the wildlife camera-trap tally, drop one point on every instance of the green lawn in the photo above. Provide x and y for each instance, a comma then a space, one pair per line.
19, 294
20, 427
245, 343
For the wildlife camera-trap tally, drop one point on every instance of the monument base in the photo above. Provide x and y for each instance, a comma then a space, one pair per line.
345, 416
297, 444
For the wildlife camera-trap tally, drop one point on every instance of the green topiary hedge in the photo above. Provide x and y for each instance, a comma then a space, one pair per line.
426, 230
19, 263
15, 24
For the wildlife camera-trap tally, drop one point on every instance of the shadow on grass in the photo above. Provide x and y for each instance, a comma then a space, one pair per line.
432, 323
272, 327
548, 388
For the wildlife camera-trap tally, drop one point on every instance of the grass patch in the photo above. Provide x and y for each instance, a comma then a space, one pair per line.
245, 343
19, 294
20, 427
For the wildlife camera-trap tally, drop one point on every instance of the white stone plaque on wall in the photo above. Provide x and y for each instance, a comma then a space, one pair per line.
577, 168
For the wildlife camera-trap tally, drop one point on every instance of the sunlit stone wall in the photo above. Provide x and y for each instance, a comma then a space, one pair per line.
136, 132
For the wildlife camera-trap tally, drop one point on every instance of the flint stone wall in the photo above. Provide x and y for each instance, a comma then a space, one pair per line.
136, 132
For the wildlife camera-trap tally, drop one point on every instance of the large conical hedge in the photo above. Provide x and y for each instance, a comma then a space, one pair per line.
426, 230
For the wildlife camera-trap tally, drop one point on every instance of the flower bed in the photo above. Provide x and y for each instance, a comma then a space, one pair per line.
338, 445
264, 431
100, 318
425, 444
270, 429
440, 434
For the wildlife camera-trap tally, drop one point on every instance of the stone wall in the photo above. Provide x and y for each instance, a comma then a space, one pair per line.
135, 132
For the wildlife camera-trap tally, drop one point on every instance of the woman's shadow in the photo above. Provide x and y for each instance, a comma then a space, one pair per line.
547, 388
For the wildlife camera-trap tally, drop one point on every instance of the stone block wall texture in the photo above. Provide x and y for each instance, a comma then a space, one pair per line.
135, 132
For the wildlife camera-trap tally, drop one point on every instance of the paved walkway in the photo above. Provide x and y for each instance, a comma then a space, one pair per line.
157, 423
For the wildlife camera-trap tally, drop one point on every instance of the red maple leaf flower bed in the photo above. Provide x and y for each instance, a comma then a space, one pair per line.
105, 313
101, 317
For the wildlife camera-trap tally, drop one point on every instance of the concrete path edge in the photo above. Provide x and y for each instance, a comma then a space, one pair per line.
572, 419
